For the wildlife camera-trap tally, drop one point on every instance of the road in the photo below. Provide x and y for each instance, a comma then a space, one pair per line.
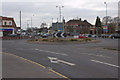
82, 60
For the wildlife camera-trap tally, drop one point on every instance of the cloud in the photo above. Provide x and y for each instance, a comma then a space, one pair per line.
45, 10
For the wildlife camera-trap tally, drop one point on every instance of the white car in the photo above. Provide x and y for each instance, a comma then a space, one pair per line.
94, 36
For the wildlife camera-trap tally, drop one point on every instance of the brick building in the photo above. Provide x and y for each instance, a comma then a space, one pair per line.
7, 26
77, 26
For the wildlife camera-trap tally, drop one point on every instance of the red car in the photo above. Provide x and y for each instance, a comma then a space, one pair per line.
83, 37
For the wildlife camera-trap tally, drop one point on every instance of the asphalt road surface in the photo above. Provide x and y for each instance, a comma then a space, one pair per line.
83, 60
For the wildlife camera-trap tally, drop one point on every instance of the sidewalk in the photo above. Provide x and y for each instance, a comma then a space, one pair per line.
16, 67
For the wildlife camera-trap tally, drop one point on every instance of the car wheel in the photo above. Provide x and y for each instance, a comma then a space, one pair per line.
113, 37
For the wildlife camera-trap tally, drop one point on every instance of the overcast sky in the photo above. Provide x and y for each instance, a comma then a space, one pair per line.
45, 10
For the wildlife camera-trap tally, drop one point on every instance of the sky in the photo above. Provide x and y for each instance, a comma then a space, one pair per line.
42, 11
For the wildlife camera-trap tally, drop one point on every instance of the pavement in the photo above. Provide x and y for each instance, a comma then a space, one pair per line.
84, 60
0, 58
0, 65
18, 67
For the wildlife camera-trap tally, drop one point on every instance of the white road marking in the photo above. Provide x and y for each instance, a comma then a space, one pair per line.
105, 63
96, 55
52, 52
65, 62
56, 60
53, 60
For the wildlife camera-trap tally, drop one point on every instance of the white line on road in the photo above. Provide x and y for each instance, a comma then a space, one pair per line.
56, 60
52, 52
105, 63
65, 62
96, 55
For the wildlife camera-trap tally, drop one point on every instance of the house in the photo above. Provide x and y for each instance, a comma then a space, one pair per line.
7, 26
77, 26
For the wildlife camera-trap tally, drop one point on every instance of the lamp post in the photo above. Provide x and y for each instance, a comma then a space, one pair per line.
60, 8
106, 18
31, 23
106, 12
20, 26
28, 24
20, 19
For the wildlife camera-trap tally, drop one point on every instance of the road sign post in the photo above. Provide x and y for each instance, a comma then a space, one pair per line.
105, 30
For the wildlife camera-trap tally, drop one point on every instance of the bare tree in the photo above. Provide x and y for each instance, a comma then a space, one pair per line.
43, 25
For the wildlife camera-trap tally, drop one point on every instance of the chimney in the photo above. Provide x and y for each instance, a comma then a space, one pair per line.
80, 19
85, 20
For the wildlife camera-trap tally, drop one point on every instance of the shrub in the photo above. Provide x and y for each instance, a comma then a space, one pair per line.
36, 39
44, 39
88, 39
73, 40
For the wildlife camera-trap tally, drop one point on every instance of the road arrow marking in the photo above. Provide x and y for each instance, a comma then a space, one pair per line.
71, 64
105, 63
53, 60
56, 60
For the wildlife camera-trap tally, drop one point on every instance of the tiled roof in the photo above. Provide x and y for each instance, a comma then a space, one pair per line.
78, 22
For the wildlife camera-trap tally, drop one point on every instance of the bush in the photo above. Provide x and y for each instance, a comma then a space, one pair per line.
73, 40
88, 39
62, 40
44, 39
36, 39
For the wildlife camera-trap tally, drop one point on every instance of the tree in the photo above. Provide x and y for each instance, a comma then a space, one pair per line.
98, 25
43, 25
98, 22
112, 23
108, 19
29, 30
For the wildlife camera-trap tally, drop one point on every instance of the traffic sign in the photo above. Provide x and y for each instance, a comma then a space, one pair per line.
59, 34
105, 28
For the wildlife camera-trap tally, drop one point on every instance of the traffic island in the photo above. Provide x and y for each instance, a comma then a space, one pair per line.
62, 40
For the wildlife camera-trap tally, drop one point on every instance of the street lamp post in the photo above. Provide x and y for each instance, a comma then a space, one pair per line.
20, 26
28, 24
106, 18
31, 23
60, 11
106, 12
20, 19
60, 8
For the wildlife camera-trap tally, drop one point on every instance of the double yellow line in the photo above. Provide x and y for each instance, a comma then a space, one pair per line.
38, 65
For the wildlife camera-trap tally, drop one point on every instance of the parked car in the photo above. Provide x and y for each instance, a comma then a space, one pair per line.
12, 35
105, 35
88, 35
94, 36
82, 37
113, 36
44, 35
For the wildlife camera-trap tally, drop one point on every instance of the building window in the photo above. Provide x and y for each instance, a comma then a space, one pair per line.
10, 23
5, 23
